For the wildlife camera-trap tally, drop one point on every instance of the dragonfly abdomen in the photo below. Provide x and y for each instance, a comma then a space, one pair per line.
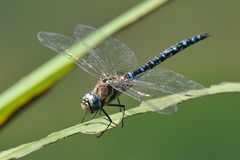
167, 54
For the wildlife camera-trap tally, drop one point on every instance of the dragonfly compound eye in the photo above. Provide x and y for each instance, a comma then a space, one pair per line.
91, 102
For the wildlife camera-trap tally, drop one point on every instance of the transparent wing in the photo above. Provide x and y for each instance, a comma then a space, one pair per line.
60, 43
142, 91
114, 54
168, 81
109, 58
156, 83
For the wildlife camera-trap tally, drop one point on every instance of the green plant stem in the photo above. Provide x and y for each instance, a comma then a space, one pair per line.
49, 73
98, 125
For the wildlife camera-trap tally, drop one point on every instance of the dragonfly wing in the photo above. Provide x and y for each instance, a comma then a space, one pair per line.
168, 81
57, 42
112, 53
60, 43
109, 58
156, 83
142, 93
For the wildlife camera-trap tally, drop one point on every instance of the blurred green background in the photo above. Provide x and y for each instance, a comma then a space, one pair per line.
206, 128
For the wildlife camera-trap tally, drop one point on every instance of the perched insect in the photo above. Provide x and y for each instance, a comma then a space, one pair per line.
115, 65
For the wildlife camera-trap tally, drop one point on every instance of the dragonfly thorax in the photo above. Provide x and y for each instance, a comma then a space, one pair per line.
91, 102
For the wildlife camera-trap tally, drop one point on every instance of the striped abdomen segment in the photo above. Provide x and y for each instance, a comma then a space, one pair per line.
167, 53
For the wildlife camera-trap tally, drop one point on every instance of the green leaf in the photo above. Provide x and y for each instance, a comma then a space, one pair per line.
96, 126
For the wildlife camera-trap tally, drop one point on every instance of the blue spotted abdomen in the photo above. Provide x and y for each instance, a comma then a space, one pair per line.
167, 53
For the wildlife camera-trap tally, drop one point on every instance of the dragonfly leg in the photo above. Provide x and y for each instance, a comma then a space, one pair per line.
110, 120
121, 108
95, 114
84, 116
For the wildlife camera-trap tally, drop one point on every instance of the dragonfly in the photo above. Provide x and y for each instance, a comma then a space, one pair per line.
116, 68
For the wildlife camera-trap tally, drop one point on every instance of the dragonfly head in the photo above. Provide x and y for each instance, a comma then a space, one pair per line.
91, 102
